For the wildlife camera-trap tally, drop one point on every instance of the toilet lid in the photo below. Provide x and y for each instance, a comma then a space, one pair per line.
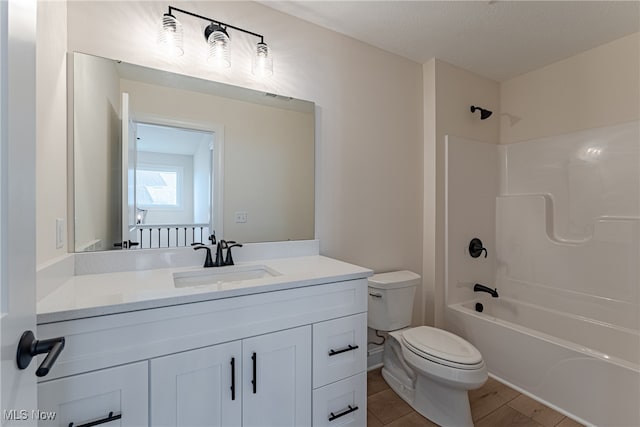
442, 347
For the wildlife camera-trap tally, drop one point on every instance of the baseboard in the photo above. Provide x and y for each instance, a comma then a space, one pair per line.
374, 358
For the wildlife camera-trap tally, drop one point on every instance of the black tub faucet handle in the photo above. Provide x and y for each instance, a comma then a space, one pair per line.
476, 248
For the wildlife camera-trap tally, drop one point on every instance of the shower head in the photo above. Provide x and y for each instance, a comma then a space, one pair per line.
484, 114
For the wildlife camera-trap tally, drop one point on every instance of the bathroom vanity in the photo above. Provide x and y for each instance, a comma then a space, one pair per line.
152, 337
145, 347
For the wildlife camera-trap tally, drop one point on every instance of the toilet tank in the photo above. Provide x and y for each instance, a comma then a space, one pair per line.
391, 300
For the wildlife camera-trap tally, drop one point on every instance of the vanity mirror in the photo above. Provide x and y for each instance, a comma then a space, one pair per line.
163, 160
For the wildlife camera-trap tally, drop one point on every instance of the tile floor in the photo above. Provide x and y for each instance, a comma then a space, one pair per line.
492, 405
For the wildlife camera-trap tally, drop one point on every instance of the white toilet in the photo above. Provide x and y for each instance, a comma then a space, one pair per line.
431, 369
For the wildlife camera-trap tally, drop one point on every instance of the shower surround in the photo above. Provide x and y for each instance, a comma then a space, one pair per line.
560, 218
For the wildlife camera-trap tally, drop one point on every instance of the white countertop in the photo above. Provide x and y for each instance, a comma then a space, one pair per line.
110, 293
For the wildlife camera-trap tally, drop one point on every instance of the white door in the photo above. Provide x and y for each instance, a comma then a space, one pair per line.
17, 205
129, 146
276, 377
197, 388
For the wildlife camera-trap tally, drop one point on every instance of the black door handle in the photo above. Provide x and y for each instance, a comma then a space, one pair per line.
125, 244
29, 347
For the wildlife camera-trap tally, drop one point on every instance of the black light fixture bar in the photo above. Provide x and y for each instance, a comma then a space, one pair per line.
215, 21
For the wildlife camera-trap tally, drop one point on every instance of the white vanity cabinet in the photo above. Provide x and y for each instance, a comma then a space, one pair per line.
309, 344
259, 381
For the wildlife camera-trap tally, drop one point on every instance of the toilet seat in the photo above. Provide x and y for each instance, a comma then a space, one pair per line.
442, 347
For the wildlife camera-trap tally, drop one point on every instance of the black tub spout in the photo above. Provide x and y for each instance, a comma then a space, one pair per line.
482, 288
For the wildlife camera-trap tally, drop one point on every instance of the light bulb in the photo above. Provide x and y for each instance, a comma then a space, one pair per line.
218, 41
170, 36
262, 64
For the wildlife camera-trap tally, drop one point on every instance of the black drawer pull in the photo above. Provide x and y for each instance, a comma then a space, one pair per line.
333, 352
108, 419
233, 378
254, 381
349, 410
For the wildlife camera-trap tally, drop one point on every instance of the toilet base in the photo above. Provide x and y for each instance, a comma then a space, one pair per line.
401, 388
444, 400
445, 406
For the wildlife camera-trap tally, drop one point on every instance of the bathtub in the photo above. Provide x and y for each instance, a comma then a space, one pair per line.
586, 369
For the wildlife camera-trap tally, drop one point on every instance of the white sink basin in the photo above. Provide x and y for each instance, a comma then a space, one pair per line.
220, 275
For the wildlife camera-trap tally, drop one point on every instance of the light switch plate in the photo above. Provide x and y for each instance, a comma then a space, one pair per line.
59, 233
241, 217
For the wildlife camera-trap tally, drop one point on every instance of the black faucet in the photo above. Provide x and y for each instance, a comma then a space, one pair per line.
220, 246
231, 244
208, 262
225, 244
482, 288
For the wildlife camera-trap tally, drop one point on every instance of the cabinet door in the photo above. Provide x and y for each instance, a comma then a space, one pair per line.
276, 373
91, 397
198, 387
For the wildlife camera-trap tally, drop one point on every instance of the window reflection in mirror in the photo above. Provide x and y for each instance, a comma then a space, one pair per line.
265, 160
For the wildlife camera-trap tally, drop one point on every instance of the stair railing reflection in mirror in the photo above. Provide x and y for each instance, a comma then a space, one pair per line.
170, 235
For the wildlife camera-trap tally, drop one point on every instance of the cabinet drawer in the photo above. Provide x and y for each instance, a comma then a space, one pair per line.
343, 403
80, 399
339, 349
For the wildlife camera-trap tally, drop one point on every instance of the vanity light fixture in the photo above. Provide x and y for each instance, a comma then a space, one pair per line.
218, 41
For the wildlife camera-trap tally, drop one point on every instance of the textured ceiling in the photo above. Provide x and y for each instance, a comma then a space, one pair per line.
496, 39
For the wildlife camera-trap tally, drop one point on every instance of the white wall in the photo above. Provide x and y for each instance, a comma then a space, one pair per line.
97, 154
202, 169
596, 88
51, 130
472, 182
426, 293
449, 93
